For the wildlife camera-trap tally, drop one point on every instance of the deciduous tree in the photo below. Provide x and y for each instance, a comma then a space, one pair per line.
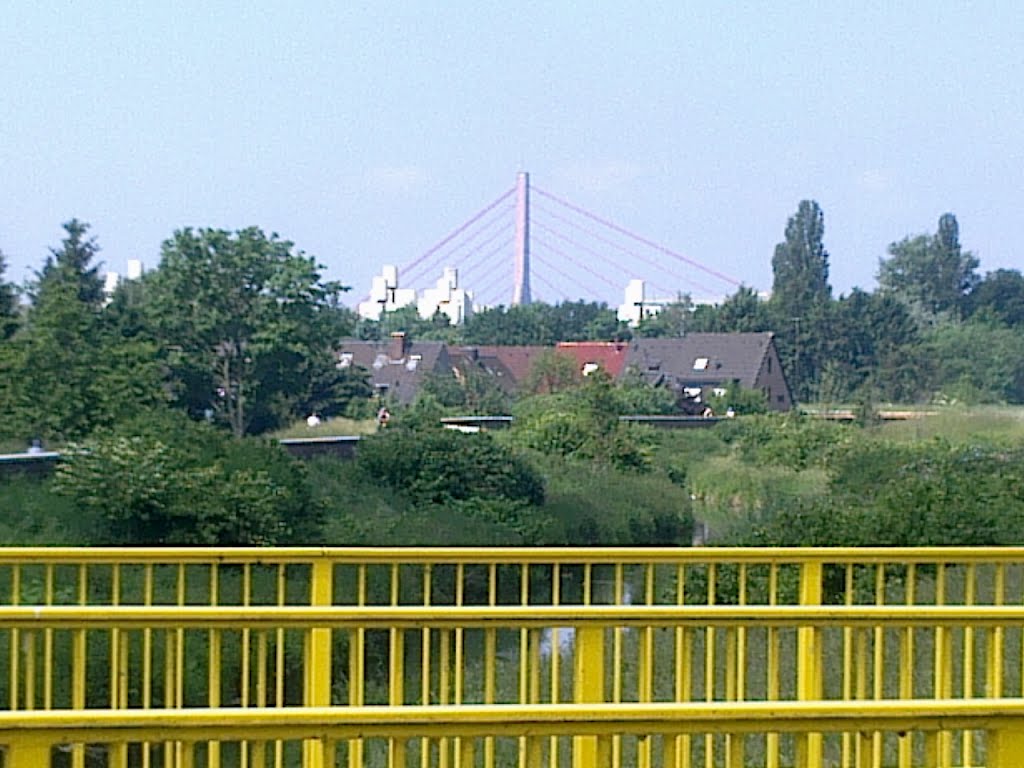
245, 318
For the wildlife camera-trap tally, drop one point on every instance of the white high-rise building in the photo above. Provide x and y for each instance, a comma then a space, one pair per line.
446, 296
385, 295
637, 305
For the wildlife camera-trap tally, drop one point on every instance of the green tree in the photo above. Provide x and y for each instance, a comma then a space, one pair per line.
673, 321
875, 342
801, 298
1000, 296
8, 303
551, 372
67, 371
931, 273
246, 320
73, 262
800, 263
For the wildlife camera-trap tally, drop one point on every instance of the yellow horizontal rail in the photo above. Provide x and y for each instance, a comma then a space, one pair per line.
516, 720
40, 617
513, 555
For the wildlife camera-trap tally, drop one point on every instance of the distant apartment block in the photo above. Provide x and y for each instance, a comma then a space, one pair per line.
445, 297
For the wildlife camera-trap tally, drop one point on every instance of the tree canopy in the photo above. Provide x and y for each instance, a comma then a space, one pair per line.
246, 321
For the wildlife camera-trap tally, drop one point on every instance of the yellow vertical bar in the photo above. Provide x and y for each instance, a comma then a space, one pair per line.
118, 671
863, 744
425, 652
29, 643
588, 682
15, 649
710, 639
48, 646
556, 654
678, 753
317, 691
878, 688
1005, 746
396, 672
260, 752
968, 665
245, 671
169, 688
147, 656
588, 688
357, 669
938, 745
115, 638
847, 756
443, 672
27, 751
772, 671
183, 750
490, 658
907, 663
617, 662
535, 745
459, 661
524, 659
466, 754
994, 653
282, 591
213, 667
646, 692
78, 663
736, 674
809, 661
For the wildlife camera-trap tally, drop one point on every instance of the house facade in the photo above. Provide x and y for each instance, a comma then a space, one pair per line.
702, 364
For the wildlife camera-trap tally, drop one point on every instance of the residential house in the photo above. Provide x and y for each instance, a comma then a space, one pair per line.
397, 367
700, 364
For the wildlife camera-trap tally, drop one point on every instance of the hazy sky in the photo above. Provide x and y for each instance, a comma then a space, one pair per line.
366, 131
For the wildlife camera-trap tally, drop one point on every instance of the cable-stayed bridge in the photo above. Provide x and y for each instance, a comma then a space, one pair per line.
533, 245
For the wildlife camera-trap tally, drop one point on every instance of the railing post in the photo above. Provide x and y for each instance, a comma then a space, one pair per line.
1005, 746
809, 662
27, 751
588, 688
318, 655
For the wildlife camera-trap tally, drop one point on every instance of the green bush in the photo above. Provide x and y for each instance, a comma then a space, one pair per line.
583, 425
166, 480
440, 465
792, 441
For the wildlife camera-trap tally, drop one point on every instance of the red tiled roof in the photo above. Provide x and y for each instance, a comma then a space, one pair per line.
609, 356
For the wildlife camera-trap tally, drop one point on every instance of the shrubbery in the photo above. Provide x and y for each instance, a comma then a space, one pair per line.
166, 480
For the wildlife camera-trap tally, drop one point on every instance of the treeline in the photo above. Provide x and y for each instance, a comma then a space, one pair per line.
237, 329
934, 329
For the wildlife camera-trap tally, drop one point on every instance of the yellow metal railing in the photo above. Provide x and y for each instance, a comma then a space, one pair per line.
143, 637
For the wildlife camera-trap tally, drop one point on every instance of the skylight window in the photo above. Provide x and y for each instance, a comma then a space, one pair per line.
700, 364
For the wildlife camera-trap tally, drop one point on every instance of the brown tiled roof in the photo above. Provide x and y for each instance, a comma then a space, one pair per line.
510, 365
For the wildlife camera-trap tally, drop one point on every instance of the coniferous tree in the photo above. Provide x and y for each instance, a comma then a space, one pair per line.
73, 262
8, 303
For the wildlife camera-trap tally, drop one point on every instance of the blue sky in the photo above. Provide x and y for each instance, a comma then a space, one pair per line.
366, 131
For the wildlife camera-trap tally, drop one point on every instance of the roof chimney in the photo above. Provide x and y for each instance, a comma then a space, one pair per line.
398, 346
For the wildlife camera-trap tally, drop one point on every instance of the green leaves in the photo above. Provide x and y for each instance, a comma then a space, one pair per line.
248, 322
166, 481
